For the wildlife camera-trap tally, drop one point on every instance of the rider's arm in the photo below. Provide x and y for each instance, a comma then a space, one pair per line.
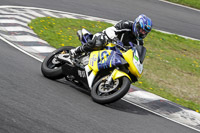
121, 26
110, 32
124, 25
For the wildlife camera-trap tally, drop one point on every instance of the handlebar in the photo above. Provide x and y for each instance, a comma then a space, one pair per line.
121, 47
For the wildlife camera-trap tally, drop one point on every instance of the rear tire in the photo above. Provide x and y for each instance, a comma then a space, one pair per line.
50, 69
120, 89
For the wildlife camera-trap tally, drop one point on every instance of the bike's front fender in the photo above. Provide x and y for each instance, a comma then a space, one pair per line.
117, 74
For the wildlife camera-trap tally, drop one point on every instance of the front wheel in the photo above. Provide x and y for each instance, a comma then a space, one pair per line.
51, 67
104, 94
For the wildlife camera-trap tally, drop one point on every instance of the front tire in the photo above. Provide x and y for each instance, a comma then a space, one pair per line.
104, 96
50, 67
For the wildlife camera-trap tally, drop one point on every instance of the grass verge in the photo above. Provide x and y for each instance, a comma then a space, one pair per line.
190, 3
172, 64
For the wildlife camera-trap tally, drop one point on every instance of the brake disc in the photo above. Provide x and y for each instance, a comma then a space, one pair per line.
105, 89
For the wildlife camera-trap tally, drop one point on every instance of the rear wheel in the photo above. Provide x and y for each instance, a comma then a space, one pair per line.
103, 93
51, 67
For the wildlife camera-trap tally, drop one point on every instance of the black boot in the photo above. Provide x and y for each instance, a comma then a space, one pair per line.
87, 47
76, 51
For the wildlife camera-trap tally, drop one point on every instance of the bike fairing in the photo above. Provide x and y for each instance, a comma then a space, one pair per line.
105, 59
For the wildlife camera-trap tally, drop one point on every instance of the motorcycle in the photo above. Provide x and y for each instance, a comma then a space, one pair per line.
107, 74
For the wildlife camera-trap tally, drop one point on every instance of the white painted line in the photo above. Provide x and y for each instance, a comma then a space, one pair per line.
50, 14
187, 116
15, 11
160, 115
5, 12
68, 16
34, 13
99, 19
147, 97
23, 38
38, 49
43, 49
28, 16
11, 21
180, 5
22, 13
186, 37
17, 17
16, 28
13, 45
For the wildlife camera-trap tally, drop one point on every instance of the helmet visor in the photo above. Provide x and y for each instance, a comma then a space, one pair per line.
142, 31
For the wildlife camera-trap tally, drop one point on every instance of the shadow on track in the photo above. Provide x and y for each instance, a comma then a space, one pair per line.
124, 106
119, 105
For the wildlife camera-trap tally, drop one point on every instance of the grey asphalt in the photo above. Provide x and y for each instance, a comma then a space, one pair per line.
165, 17
30, 103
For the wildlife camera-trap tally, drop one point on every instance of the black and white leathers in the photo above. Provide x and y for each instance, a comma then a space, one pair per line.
121, 31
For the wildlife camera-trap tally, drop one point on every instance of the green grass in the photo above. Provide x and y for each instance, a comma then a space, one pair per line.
190, 3
61, 32
171, 67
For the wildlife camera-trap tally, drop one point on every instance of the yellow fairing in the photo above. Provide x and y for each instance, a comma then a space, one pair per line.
128, 56
111, 45
93, 61
101, 55
94, 56
117, 74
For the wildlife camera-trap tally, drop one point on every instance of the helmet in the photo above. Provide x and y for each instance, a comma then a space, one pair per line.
142, 26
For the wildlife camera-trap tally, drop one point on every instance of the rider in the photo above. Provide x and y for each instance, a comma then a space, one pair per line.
123, 33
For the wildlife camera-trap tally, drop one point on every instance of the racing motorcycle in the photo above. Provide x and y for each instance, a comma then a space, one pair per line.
107, 74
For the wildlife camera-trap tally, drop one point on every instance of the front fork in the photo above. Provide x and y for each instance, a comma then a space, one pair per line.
116, 74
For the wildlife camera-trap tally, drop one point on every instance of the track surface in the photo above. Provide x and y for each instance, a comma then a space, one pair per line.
165, 17
31, 103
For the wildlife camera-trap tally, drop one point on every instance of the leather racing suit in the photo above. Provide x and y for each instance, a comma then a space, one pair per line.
122, 31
